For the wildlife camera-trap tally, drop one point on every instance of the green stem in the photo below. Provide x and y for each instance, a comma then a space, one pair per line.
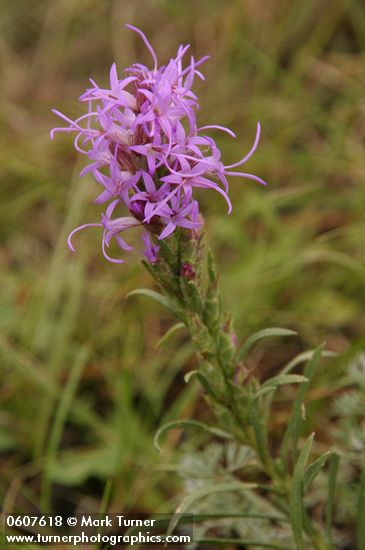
212, 340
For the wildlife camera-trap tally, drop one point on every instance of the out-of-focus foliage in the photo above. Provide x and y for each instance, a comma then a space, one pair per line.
84, 386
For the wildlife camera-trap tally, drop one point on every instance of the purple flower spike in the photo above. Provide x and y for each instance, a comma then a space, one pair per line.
147, 152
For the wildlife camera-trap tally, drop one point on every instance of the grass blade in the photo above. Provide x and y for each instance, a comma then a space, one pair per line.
334, 462
62, 412
259, 426
296, 497
314, 469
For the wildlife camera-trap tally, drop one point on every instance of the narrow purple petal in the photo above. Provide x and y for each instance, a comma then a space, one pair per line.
80, 228
170, 228
247, 176
106, 255
217, 127
148, 45
252, 150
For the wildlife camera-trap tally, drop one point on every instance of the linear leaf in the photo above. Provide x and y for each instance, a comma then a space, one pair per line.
314, 469
296, 496
178, 424
285, 379
266, 333
294, 428
258, 423
169, 333
265, 391
334, 462
304, 357
211, 267
267, 388
204, 382
214, 488
154, 295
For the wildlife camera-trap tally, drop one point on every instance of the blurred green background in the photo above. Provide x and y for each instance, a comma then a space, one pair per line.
84, 385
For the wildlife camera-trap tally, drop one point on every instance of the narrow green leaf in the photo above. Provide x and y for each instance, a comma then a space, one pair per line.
178, 424
167, 253
295, 426
266, 333
296, 496
205, 383
361, 513
258, 423
226, 352
303, 358
169, 333
154, 295
211, 267
203, 342
265, 391
332, 478
212, 310
271, 385
106, 496
314, 469
285, 379
214, 488
191, 295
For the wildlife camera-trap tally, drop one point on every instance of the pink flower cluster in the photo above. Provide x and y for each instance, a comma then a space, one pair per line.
147, 152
